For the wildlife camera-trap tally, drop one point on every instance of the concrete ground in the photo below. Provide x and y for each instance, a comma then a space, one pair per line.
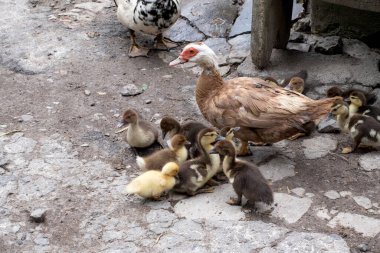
63, 67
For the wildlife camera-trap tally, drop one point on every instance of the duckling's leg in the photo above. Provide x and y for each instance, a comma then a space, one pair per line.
164, 44
136, 50
357, 141
235, 201
212, 182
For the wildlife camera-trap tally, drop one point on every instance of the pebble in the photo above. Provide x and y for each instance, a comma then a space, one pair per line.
363, 201
25, 118
298, 191
329, 45
345, 193
332, 194
167, 76
42, 241
130, 90
38, 215
148, 101
87, 92
363, 247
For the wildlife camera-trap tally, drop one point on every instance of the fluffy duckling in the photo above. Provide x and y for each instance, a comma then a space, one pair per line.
245, 177
150, 17
359, 105
363, 130
140, 133
170, 126
195, 173
336, 91
151, 184
229, 134
176, 152
296, 82
341, 112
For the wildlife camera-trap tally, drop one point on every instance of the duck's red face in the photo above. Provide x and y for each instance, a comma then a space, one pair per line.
185, 56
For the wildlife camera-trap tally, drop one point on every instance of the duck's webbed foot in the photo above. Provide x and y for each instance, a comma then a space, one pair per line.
136, 50
234, 201
347, 150
163, 43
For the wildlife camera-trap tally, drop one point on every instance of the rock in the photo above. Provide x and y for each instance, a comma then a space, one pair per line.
309, 242
211, 206
148, 101
261, 154
370, 161
302, 47
38, 215
296, 37
182, 31
26, 118
298, 191
240, 48
363, 201
328, 125
131, 90
20, 145
356, 48
332, 194
41, 240
278, 168
302, 25
318, 146
363, 247
309, 194
210, 16
219, 46
323, 213
368, 226
87, 92
243, 22
329, 45
167, 76
290, 208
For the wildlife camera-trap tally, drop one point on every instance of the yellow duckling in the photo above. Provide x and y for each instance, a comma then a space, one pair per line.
152, 184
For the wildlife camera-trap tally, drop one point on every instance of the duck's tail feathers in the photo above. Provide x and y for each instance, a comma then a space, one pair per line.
322, 107
140, 162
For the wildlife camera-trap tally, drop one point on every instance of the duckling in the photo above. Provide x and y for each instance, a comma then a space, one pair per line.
150, 17
296, 82
340, 110
229, 134
176, 152
363, 130
245, 177
140, 133
151, 184
270, 80
170, 126
334, 92
195, 173
359, 105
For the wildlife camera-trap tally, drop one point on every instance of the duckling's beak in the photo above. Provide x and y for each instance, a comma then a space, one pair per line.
219, 138
121, 123
187, 143
177, 61
235, 129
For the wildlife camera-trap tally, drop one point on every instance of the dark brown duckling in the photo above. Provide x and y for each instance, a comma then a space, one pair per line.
140, 133
359, 105
195, 173
336, 91
245, 177
296, 82
363, 130
170, 126
176, 152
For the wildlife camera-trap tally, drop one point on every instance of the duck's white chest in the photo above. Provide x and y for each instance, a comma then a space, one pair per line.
151, 17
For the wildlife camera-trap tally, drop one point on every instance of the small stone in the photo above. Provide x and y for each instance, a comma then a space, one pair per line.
38, 215
298, 191
87, 92
85, 145
41, 241
363, 201
167, 76
26, 117
290, 208
309, 194
148, 101
345, 193
131, 90
363, 247
370, 161
302, 47
318, 146
328, 125
302, 25
332, 194
93, 34
368, 226
322, 213
329, 45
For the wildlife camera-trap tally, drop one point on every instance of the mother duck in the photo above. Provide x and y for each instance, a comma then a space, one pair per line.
148, 16
263, 112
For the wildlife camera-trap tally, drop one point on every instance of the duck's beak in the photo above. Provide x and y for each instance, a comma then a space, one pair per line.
235, 129
220, 138
177, 61
121, 123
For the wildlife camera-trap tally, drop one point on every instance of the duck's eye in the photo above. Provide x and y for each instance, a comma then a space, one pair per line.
191, 51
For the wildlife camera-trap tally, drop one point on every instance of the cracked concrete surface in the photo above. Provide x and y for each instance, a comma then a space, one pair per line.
61, 72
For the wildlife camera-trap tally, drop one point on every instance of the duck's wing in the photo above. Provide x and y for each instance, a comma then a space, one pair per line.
251, 102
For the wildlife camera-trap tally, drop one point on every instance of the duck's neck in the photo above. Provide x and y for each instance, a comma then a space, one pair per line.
228, 164
208, 81
353, 109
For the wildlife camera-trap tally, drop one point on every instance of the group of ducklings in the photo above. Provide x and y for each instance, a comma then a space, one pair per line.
195, 154
359, 118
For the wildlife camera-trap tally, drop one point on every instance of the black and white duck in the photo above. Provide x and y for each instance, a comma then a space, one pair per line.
150, 17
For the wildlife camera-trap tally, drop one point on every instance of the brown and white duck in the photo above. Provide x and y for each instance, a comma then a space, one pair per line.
266, 113
176, 152
150, 17
140, 133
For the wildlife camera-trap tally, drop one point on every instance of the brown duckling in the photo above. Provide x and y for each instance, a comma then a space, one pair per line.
359, 105
229, 134
245, 177
363, 130
140, 133
195, 173
176, 152
151, 184
336, 91
296, 82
